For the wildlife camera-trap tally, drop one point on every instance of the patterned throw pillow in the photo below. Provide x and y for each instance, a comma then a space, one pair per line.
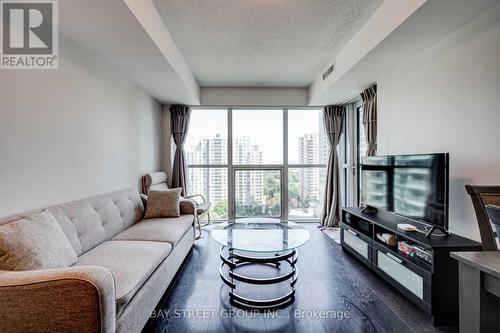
163, 203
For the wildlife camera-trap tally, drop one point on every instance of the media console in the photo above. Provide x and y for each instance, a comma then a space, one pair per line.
427, 276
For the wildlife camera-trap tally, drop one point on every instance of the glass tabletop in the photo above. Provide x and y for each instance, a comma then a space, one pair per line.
260, 235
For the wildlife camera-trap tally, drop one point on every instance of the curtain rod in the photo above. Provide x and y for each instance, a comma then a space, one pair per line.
358, 95
351, 99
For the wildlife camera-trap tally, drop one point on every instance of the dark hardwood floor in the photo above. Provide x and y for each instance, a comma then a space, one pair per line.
329, 280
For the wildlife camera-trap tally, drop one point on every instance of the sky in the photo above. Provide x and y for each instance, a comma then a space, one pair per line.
264, 127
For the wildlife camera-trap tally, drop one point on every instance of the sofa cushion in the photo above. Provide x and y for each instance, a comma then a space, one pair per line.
102, 217
88, 222
68, 227
35, 242
163, 203
130, 262
168, 230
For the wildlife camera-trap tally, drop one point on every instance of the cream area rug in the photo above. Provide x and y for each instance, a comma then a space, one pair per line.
332, 232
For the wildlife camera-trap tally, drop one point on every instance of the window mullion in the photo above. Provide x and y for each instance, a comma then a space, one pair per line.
284, 178
230, 177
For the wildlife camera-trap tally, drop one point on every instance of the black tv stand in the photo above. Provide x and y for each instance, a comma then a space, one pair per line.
445, 233
428, 277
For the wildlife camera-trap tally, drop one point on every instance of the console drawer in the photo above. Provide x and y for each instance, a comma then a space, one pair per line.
393, 267
354, 241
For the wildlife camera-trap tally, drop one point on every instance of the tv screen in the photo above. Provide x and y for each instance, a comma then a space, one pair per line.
414, 186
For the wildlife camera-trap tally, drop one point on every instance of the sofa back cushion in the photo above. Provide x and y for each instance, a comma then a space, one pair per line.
102, 217
67, 227
91, 221
35, 242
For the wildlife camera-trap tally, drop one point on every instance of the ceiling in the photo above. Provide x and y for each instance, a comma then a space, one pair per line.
262, 43
126, 42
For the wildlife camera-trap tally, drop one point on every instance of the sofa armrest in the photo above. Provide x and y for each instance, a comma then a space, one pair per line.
188, 206
74, 299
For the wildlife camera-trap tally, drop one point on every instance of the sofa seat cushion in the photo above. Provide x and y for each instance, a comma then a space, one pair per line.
168, 230
130, 262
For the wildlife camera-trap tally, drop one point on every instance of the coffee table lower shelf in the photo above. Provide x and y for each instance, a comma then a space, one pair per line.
234, 259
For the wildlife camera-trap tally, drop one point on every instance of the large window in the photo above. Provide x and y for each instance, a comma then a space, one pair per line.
306, 137
258, 193
207, 154
305, 192
307, 154
258, 162
206, 143
257, 136
212, 184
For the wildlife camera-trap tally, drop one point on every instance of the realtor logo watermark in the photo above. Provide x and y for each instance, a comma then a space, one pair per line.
29, 36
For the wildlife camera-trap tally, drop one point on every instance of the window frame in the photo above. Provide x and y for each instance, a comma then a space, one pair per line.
283, 167
358, 106
350, 160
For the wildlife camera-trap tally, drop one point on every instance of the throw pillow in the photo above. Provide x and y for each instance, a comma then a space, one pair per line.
35, 242
163, 203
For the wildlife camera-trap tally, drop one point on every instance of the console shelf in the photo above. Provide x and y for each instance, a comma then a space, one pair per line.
432, 284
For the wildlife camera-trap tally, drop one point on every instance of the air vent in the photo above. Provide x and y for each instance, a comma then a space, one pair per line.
329, 71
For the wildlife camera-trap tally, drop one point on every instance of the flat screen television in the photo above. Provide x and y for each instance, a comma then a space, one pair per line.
413, 186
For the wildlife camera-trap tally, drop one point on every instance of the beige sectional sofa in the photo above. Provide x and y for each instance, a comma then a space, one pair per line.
123, 266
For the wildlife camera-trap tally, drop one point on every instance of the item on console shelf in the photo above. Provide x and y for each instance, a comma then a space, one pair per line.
389, 239
423, 254
407, 248
407, 227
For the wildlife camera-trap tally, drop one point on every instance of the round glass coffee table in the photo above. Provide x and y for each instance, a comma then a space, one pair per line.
259, 241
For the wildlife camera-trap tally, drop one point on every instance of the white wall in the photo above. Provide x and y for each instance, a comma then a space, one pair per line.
254, 96
448, 100
78, 131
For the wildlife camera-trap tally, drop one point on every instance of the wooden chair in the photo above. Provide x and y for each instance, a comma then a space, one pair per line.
158, 181
485, 199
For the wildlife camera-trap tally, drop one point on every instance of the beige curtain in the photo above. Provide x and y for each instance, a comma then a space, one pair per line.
369, 97
333, 121
179, 118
